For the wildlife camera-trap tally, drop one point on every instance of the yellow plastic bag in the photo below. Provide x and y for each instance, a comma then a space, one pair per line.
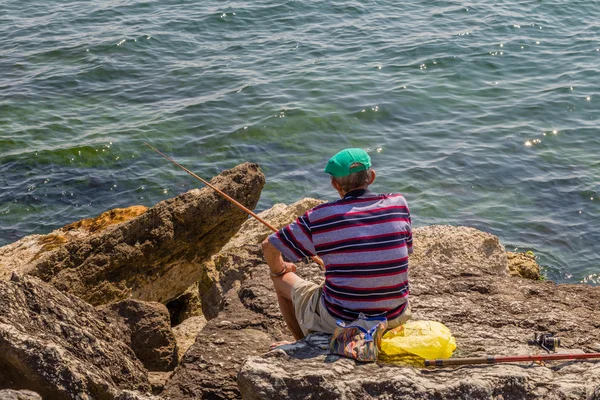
425, 339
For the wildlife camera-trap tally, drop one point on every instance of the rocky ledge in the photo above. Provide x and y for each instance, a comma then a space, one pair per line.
460, 277
61, 347
224, 312
150, 254
53, 340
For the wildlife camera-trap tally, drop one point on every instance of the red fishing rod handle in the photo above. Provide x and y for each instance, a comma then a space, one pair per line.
460, 361
508, 359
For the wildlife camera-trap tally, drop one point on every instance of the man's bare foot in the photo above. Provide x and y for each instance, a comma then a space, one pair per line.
280, 343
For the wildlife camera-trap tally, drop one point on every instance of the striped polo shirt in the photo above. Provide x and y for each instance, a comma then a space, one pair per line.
364, 240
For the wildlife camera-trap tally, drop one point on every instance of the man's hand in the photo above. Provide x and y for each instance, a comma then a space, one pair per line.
274, 259
290, 267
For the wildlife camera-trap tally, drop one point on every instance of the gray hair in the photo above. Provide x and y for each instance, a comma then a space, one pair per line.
354, 181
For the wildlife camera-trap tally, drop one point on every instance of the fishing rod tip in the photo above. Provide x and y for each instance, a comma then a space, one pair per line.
149, 145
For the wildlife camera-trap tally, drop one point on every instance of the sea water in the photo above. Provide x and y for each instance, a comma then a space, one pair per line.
481, 113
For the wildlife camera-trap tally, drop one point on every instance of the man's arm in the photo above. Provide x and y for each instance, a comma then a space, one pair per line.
295, 240
275, 260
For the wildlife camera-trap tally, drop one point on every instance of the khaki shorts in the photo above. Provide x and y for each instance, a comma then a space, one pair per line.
314, 317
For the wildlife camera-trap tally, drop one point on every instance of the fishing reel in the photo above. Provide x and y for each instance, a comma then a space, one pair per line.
546, 341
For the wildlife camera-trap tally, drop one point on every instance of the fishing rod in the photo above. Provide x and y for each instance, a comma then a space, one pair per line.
226, 196
507, 359
546, 341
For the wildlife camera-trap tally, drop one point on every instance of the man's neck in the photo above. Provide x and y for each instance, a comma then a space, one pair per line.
357, 192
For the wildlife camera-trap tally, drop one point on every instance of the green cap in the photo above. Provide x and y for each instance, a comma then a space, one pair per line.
341, 164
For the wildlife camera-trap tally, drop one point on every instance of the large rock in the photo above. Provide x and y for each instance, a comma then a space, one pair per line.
459, 276
209, 368
61, 347
186, 333
152, 339
154, 256
217, 277
238, 298
186, 305
248, 320
19, 395
306, 371
524, 265
22, 255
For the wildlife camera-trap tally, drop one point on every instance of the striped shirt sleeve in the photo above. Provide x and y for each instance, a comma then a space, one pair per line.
295, 240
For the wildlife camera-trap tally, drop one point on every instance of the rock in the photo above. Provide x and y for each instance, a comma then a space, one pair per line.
19, 395
458, 277
157, 381
61, 347
152, 340
305, 370
210, 366
186, 333
185, 306
247, 322
244, 319
19, 256
524, 265
213, 284
152, 257
86, 226
461, 251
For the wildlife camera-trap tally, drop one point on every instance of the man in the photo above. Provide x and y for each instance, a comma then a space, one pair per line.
364, 240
